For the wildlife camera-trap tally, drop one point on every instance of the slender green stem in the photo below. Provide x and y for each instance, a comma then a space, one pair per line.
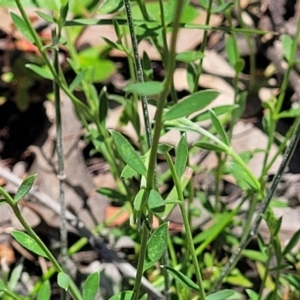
140, 266
265, 276
12, 295
157, 129
187, 226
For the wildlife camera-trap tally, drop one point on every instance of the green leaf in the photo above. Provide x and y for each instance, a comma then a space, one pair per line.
91, 286
44, 292
98, 69
103, 107
117, 29
25, 187
232, 51
222, 7
210, 146
2, 285
292, 243
252, 295
45, 17
15, 276
255, 255
147, 66
191, 74
110, 193
110, 7
243, 180
148, 88
182, 153
128, 172
22, 27
237, 278
239, 65
189, 56
220, 295
78, 79
63, 280
43, 72
114, 45
219, 127
138, 200
292, 113
287, 44
219, 110
126, 295
156, 203
191, 104
164, 148
128, 153
156, 246
28, 242
183, 279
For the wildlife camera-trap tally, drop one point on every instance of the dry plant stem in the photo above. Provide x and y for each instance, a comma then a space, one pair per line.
247, 238
73, 289
61, 168
157, 129
187, 226
139, 71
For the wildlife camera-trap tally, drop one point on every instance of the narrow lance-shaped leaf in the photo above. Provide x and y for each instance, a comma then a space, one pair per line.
15, 276
182, 153
145, 88
22, 27
191, 74
156, 245
126, 295
103, 107
219, 127
43, 72
128, 154
191, 104
189, 56
221, 295
287, 44
28, 242
91, 286
231, 49
183, 279
210, 146
78, 79
25, 187
46, 17
292, 243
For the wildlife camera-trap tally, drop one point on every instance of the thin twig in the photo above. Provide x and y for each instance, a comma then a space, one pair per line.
61, 168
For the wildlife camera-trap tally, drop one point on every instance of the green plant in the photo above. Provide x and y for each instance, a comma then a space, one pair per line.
181, 273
